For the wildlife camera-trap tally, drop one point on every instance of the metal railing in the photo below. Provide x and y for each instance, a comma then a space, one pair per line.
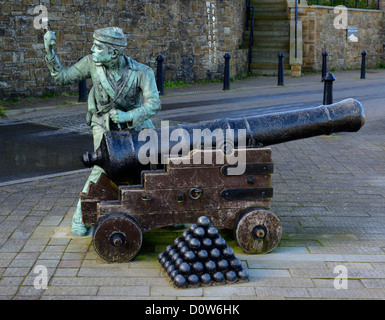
359, 4
250, 14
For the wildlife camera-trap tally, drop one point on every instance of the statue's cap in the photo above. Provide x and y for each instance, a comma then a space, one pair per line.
111, 35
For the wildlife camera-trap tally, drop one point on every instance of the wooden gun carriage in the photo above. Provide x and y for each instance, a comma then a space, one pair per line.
133, 198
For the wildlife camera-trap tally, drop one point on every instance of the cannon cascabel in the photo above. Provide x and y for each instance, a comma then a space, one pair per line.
118, 153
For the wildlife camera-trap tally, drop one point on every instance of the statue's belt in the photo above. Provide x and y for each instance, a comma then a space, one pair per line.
103, 109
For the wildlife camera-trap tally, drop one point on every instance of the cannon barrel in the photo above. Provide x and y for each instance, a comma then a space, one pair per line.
118, 153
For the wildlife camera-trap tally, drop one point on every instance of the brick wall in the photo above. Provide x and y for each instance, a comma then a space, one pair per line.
179, 30
319, 34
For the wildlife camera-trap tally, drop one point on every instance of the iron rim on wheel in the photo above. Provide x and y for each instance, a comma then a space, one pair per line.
117, 237
258, 230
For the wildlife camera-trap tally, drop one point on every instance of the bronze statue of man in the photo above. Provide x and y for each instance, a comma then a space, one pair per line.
124, 95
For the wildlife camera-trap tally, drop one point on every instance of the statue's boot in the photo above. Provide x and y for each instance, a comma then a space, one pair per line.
78, 228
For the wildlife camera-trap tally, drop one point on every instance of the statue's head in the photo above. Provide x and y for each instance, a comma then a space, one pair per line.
109, 44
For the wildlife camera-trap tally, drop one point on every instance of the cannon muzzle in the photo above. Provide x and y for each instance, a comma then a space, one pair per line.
119, 151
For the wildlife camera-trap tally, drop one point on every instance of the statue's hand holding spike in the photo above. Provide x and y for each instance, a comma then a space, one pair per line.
49, 42
119, 116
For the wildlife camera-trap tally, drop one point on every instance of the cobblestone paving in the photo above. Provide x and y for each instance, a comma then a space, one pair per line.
329, 193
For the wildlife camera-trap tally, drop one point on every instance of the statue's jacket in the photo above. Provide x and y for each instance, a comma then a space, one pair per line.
135, 92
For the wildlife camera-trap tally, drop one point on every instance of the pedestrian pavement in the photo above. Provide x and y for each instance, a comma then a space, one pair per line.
329, 194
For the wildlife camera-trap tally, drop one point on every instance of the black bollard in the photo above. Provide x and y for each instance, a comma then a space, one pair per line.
160, 75
280, 69
324, 64
226, 78
363, 65
83, 90
328, 88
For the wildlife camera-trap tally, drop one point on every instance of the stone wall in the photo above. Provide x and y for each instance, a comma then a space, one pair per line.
179, 30
319, 34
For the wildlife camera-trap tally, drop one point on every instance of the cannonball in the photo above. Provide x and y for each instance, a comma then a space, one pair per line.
170, 268
199, 232
167, 264
172, 252
184, 268
193, 227
220, 242
194, 244
243, 274
181, 244
177, 240
185, 234
215, 254
163, 260
235, 263
207, 243
160, 256
228, 252
175, 256
188, 237
222, 264
210, 266
212, 232
189, 256
168, 248
231, 276
205, 278
193, 279
197, 267
203, 221
178, 262
184, 249
173, 274
203, 254
180, 281
218, 277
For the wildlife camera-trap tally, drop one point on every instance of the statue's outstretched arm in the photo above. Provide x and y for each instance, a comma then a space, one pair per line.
62, 75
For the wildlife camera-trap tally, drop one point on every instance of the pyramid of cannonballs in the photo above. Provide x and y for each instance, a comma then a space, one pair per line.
201, 257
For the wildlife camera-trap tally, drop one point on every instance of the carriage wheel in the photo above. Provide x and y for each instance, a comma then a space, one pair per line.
258, 230
117, 237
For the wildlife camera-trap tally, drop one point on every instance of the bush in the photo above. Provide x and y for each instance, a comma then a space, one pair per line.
361, 4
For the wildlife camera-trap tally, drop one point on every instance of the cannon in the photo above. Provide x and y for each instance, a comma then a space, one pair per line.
135, 196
